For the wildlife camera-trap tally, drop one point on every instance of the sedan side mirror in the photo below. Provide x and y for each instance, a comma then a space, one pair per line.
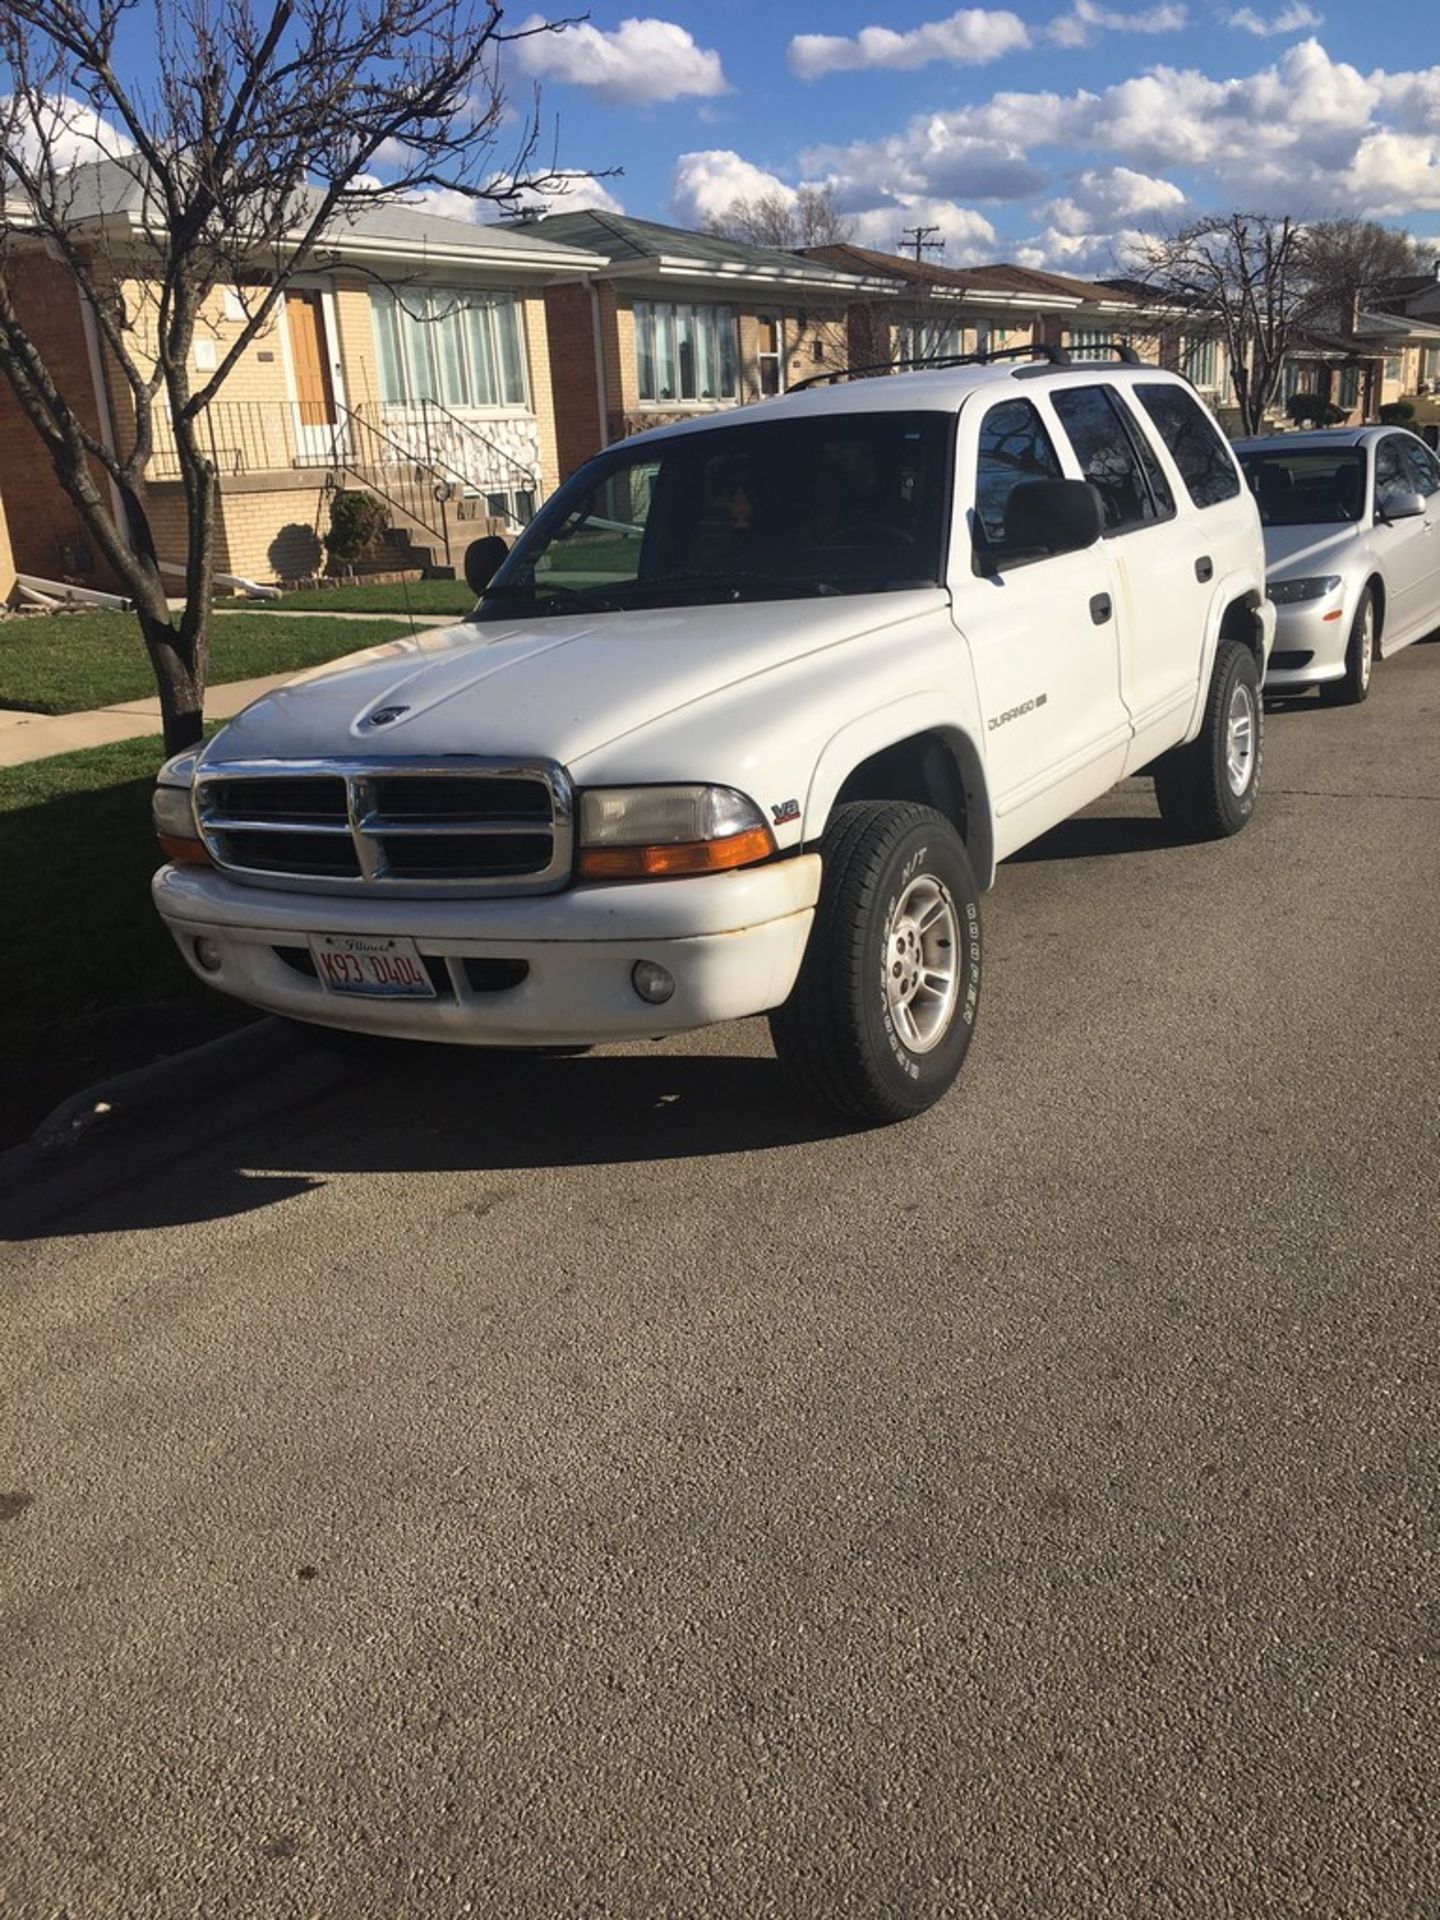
1400, 506
482, 561
1047, 517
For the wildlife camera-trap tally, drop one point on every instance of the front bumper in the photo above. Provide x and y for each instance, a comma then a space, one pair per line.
1309, 646
732, 941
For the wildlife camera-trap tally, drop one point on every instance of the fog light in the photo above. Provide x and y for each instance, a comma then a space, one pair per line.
207, 955
652, 982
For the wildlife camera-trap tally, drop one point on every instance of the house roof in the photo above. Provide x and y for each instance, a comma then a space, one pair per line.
113, 192
649, 249
1000, 285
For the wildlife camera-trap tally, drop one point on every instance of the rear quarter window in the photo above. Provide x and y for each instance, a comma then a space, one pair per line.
1206, 464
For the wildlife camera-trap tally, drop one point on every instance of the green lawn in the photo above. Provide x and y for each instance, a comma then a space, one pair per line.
69, 662
416, 596
90, 982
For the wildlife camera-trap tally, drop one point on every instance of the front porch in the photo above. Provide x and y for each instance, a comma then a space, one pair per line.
442, 479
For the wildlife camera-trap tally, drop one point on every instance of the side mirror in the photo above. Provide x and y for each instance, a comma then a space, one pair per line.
1053, 516
1400, 506
482, 561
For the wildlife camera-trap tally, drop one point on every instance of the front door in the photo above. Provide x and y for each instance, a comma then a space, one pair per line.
1044, 637
316, 419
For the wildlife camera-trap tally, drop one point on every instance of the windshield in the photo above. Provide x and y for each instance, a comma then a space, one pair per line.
1311, 487
832, 504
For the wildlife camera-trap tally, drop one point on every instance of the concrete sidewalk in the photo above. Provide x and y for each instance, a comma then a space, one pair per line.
37, 736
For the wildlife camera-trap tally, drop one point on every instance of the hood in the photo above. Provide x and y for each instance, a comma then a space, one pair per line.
559, 688
1292, 553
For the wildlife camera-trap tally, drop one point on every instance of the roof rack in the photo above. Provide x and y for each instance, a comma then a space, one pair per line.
1043, 351
1053, 356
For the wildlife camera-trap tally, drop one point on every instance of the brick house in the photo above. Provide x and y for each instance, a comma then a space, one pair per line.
411, 362
675, 324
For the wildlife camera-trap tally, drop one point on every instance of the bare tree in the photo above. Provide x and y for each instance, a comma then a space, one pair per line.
809, 219
249, 136
1263, 282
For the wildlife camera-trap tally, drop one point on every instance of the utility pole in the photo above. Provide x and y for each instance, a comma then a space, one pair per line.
919, 239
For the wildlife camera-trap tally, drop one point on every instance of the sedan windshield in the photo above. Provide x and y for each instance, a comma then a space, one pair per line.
764, 509
1309, 487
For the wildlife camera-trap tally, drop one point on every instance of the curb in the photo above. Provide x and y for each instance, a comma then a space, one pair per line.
78, 1153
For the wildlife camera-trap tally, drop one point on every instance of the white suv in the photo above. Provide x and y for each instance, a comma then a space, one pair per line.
743, 725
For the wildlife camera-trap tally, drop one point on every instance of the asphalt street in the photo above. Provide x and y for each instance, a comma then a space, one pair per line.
596, 1487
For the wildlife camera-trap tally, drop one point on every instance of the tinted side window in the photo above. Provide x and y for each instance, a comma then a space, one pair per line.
1391, 477
1422, 466
1111, 457
1201, 455
1014, 446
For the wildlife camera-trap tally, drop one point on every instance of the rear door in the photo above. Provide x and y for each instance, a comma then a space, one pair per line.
1042, 634
1165, 602
1424, 470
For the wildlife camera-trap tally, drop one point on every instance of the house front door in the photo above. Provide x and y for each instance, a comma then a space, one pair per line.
316, 419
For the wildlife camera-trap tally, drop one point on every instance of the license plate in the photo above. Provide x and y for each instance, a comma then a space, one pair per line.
380, 968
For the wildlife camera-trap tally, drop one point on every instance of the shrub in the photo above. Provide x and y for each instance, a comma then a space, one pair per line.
1396, 413
357, 521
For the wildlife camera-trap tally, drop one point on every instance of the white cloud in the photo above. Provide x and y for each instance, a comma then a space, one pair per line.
704, 185
71, 132
641, 61
1305, 134
969, 38
1089, 256
1078, 27
1291, 19
462, 206
1101, 197
969, 237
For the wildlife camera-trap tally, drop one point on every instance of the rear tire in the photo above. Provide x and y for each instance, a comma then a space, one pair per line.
881, 1016
1206, 790
1359, 659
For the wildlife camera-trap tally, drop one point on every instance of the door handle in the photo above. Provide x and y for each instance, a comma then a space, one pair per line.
1100, 608
1204, 568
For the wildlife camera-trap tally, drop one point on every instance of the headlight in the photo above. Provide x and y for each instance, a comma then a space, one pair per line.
174, 816
638, 833
1286, 592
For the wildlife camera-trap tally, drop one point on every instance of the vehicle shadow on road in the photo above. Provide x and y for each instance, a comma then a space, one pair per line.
1099, 836
449, 1110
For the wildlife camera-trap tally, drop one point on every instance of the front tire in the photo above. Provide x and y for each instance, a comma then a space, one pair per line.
1359, 659
1207, 789
882, 1014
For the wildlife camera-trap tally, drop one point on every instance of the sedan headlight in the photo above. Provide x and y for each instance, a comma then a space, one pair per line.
174, 816
1286, 592
654, 833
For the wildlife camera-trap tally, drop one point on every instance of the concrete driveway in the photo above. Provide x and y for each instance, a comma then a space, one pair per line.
593, 1487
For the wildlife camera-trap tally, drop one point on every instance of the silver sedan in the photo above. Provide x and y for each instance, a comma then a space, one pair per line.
1352, 552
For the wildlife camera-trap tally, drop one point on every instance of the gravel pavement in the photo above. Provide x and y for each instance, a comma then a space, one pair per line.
596, 1487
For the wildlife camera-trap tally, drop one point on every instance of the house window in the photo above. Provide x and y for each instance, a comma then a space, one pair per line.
1202, 363
1349, 387
1299, 377
1394, 368
462, 349
1084, 343
931, 340
686, 353
768, 355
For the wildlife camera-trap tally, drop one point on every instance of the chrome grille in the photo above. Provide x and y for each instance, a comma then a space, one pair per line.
461, 824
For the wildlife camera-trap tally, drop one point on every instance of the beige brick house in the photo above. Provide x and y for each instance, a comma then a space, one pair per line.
674, 324
412, 362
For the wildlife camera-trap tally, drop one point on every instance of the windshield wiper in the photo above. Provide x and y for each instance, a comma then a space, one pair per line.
734, 586
575, 596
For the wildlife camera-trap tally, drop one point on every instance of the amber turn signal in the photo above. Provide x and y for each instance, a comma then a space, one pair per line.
185, 853
693, 856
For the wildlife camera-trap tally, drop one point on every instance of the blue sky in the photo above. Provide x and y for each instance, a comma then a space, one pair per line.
1040, 133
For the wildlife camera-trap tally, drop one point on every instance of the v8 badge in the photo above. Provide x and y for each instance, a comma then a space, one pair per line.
785, 810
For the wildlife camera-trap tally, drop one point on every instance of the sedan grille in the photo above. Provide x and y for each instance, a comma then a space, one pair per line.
473, 825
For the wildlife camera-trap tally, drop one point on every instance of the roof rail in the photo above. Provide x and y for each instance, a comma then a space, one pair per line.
1122, 350
1053, 356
